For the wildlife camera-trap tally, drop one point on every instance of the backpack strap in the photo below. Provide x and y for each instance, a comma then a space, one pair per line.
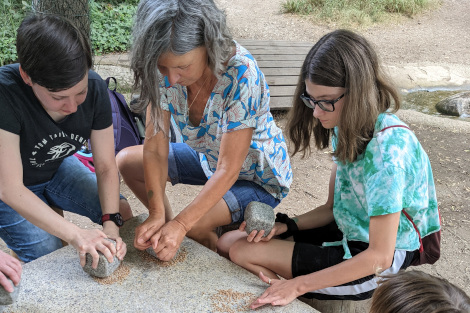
404, 126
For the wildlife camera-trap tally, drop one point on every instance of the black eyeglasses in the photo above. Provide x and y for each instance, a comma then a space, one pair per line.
325, 105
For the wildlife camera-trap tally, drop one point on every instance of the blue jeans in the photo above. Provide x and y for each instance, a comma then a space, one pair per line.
184, 167
73, 188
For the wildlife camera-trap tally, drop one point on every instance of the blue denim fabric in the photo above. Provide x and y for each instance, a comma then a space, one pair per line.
184, 167
73, 188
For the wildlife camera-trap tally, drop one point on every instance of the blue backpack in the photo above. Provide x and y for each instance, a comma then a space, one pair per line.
128, 127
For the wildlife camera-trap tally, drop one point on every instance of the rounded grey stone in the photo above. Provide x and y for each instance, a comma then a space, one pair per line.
7, 298
259, 216
104, 268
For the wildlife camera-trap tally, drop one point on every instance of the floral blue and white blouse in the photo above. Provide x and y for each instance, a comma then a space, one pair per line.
239, 100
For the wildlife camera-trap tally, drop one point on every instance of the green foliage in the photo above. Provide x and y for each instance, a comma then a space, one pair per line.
11, 13
356, 12
111, 24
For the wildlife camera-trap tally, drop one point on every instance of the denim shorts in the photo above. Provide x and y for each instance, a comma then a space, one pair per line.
73, 188
184, 167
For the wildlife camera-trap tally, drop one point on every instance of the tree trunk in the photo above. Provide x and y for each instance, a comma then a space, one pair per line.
76, 11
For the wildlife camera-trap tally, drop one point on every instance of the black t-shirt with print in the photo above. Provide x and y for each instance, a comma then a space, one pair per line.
45, 143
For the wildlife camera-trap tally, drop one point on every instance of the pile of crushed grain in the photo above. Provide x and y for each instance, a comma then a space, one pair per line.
180, 257
230, 301
117, 277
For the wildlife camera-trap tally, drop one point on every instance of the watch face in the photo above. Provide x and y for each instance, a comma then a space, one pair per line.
118, 219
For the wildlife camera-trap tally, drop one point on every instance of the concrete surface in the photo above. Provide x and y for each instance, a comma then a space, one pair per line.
198, 280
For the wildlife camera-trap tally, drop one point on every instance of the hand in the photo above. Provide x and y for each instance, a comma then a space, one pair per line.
281, 292
168, 240
112, 231
145, 231
9, 268
91, 241
257, 236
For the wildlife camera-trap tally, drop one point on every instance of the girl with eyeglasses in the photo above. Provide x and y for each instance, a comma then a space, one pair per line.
344, 101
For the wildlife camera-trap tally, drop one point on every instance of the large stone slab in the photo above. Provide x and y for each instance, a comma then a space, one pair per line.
198, 280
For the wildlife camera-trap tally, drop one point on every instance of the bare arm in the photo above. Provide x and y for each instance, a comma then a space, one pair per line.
27, 204
233, 151
378, 256
155, 163
155, 158
106, 174
108, 183
21, 199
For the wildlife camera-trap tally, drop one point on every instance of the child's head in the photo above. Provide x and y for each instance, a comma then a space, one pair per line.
417, 292
52, 51
346, 60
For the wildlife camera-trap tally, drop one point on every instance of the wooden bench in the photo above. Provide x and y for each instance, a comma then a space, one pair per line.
280, 61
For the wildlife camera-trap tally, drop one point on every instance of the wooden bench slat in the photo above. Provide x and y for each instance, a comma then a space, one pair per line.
281, 91
273, 71
278, 64
280, 103
277, 57
290, 80
273, 43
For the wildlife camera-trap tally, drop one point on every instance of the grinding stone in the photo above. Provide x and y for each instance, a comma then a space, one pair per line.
6, 297
259, 216
104, 268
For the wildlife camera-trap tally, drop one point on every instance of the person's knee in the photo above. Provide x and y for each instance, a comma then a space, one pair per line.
130, 161
236, 252
125, 209
123, 160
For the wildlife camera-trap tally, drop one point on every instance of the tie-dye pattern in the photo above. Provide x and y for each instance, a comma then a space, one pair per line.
239, 100
393, 173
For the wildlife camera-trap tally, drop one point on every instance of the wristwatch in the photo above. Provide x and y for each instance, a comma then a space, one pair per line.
116, 218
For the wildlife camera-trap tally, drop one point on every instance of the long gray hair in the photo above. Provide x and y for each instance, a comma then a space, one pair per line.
176, 26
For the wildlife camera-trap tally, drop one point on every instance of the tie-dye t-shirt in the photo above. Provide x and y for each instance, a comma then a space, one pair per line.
393, 173
239, 100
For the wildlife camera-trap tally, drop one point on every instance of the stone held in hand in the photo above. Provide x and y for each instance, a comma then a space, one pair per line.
7, 298
151, 252
259, 216
104, 268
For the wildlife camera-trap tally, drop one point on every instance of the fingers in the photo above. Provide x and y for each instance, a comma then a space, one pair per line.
242, 226
142, 237
255, 236
264, 278
259, 236
121, 248
270, 235
105, 248
5, 283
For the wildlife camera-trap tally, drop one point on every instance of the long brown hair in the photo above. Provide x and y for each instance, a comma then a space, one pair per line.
416, 292
342, 59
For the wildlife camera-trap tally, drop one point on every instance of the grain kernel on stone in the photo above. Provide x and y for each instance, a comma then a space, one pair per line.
230, 301
149, 255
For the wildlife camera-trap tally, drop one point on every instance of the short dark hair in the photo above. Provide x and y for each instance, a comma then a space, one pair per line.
53, 51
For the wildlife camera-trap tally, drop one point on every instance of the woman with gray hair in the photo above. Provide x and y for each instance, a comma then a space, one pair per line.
187, 66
